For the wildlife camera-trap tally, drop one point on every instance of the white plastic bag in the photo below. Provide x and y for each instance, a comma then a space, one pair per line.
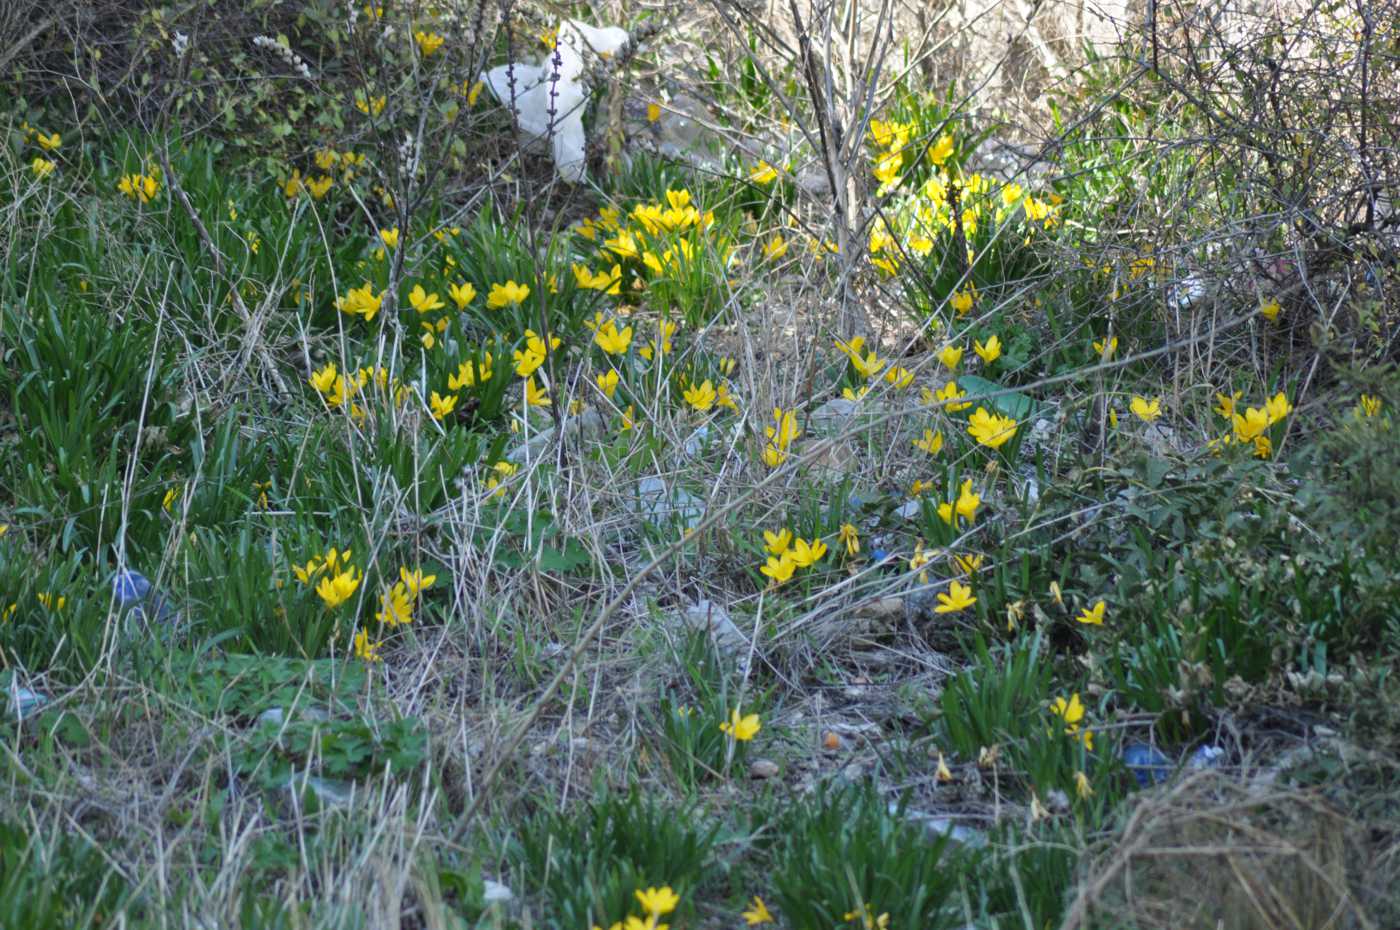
533, 93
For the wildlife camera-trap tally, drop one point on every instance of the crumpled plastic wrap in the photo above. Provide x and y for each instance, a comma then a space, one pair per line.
530, 98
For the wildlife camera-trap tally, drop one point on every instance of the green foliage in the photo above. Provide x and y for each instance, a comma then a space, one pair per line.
276, 754
846, 851
58, 883
587, 863
691, 738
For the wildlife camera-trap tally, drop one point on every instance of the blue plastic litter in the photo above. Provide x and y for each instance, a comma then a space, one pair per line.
130, 587
135, 592
1205, 757
25, 703
879, 555
1148, 765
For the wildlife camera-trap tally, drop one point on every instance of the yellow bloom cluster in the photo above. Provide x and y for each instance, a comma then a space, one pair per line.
339, 579
655, 903
787, 554
140, 187
1251, 426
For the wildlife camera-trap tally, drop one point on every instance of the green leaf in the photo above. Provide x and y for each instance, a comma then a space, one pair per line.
1020, 407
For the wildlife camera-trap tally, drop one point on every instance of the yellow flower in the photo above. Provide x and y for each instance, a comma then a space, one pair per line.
416, 581
319, 186
763, 173
612, 340
653, 112
941, 150
171, 497
42, 167
948, 396
442, 406
741, 728
780, 437
775, 247
326, 159
428, 42
500, 472
989, 429
607, 383
1093, 615
1269, 310
50, 142
365, 650
1368, 406
777, 543
372, 107
867, 365
900, 377
508, 294
623, 245
962, 300
424, 302
1082, 787
4, 528
396, 606
1226, 405
779, 567
725, 399
968, 564
989, 352
50, 602
958, 598
851, 537
461, 294
1144, 409
1071, 711
701, 396
920, 487
336, 590
1277, 407
141, 187
629, 420
1105, 348
804, 553
757, 913
390, 237
658, 901
967, 502
470, 375
535, 395
932, 442
1253, 422
950, 356
360, 302
919, 559
292, 186
942, 772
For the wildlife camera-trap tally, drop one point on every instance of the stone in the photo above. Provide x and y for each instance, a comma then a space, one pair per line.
714, 619
945, 827
495, 893
661, 504
538, 444
763, 768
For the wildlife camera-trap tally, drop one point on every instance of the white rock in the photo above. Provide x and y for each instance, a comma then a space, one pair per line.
496, 893
909, 510
660, 503
709, 616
